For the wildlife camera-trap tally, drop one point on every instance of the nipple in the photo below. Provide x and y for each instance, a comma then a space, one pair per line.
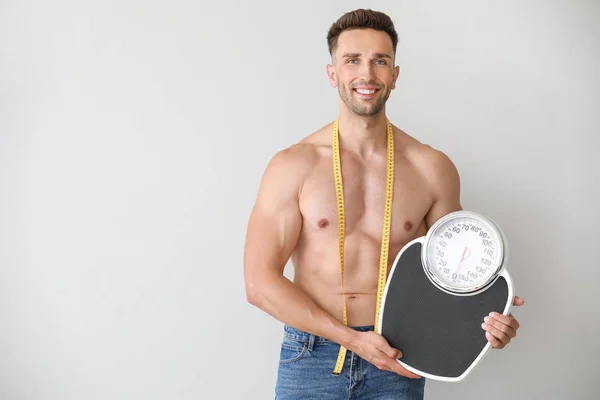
408, 226
323, 223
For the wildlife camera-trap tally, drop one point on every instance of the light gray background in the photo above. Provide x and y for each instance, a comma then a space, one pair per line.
133, 135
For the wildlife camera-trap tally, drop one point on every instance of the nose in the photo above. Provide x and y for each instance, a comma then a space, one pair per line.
367, 72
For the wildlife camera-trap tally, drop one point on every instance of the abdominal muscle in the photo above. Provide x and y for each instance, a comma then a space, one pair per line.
317, 272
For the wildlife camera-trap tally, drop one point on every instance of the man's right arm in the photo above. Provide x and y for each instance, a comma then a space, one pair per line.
273, 230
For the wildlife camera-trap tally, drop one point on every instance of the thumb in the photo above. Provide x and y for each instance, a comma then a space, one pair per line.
518, 301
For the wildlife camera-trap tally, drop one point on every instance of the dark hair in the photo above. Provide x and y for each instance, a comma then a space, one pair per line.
361, 19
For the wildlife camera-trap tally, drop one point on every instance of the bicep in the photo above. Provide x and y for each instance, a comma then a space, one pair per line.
275, 221
271, 236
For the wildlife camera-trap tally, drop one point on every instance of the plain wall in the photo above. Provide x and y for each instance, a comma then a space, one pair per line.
133, 136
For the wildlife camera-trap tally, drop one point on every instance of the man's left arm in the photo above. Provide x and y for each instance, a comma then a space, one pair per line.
445, 186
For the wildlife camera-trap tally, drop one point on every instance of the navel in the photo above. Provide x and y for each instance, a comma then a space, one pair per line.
323, 222
408, 226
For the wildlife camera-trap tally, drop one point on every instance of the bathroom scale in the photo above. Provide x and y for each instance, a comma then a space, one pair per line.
439, 289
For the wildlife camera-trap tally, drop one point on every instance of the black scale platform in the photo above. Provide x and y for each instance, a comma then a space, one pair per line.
438, 333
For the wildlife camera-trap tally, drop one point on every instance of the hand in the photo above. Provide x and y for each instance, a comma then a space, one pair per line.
501, 329
375, 349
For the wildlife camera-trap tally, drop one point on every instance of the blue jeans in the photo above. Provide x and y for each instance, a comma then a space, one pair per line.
306, 366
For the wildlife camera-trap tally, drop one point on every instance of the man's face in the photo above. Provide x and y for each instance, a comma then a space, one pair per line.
363, 70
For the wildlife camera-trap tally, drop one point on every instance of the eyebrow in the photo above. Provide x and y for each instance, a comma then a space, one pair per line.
377, 55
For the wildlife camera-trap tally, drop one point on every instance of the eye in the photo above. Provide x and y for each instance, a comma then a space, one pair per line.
351, 61
381, 62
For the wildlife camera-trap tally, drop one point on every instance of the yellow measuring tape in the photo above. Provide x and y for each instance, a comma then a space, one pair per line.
385, 237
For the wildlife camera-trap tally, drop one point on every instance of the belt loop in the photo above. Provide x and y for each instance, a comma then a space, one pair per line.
311, 342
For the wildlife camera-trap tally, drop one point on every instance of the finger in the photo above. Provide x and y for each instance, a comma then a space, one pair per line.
391, 352
384, 347
516, 324
493, 341
400, 370
506, 320
497, 333
393, 365
501, 326
518, 301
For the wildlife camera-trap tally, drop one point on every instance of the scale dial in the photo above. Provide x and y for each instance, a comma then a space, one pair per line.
463, 252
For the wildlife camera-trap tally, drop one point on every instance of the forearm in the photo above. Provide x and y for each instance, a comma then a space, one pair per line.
280, 298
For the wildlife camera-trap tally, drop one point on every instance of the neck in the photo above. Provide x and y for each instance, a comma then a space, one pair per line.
364, 136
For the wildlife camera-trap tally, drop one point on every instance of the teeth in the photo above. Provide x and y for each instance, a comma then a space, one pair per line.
365, 91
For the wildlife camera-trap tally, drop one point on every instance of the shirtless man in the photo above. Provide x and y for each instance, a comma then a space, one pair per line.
295, 216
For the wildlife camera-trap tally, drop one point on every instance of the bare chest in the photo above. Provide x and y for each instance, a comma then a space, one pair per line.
364, 200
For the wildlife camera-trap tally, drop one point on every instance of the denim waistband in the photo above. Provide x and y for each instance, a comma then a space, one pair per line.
296, 334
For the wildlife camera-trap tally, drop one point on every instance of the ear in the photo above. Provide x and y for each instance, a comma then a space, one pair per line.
395, 76
331, 75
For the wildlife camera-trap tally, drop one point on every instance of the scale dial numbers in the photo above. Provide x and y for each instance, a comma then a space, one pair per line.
463, 253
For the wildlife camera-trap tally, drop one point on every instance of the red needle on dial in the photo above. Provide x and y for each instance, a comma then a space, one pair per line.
462, 258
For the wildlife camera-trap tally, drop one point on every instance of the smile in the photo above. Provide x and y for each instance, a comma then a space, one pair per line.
366, 93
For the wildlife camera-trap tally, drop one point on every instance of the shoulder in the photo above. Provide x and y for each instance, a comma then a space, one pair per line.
288, 168
289, 165
438, 165
298, 155
304, 154
307, 150
433, 164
